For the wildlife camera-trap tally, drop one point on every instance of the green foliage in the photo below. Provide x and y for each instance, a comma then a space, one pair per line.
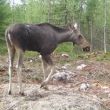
91, 9
61, 13
31, 11
4, 16
4, 20
3, 48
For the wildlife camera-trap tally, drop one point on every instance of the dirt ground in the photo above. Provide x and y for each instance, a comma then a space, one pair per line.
86, 85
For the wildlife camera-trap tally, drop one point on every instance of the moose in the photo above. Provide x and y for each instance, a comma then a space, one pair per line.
43, 38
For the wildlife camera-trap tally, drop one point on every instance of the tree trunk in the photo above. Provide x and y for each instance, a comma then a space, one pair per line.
66, 11
13, 9
49, 10
105, 17
91, 31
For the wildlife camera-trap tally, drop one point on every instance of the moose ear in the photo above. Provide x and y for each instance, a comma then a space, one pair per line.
76, 26
73, 26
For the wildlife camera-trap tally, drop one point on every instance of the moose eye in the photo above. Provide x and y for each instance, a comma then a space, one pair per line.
80, 36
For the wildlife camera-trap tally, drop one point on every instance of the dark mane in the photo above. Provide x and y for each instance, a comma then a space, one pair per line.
58, 29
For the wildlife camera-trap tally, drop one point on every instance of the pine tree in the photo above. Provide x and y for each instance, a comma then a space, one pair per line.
4, 16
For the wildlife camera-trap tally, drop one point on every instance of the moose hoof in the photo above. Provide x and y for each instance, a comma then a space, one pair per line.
44, 86
22, 93
9, 92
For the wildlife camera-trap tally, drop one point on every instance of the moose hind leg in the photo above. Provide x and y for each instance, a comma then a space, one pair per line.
11, 52
19, 71
48, 60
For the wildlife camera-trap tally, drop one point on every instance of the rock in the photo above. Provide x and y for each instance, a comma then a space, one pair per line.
105, 89
84, 86
31, 61
80, 67
108, 95
60, 76
65, 55
64, 67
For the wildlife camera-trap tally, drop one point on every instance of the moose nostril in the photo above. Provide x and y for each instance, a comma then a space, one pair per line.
86, 49
83, 49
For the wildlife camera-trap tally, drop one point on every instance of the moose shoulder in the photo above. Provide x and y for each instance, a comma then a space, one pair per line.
43, 38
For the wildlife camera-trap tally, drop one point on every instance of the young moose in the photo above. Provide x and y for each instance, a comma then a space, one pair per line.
43, 38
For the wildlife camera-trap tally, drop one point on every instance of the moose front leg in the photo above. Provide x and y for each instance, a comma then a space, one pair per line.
45, 82
47, 69
44, 68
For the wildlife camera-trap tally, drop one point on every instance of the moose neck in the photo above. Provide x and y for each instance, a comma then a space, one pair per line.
65, 37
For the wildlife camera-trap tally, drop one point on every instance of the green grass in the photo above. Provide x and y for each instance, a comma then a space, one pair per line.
69, 49
3, 47
103, 56
30, 54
